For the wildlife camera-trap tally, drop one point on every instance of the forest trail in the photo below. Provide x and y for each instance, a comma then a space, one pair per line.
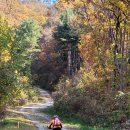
32, 111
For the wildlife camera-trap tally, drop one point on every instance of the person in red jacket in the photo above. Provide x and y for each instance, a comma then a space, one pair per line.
55, 123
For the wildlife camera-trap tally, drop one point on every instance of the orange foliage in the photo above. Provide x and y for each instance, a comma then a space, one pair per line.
15, 12
87, 50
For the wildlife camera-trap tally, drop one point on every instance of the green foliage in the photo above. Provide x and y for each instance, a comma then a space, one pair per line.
73, 122
65, 33
67, 42
27, 34
5, 34
85, 98
6, 71
26, 44
24, 51
66, 17
17, 50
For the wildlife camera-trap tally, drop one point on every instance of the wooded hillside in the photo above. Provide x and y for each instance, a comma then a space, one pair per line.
78, 49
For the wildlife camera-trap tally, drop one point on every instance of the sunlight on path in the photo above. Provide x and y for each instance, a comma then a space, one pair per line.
32, 112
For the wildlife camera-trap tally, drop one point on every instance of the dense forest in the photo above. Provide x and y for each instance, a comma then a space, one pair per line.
79, 50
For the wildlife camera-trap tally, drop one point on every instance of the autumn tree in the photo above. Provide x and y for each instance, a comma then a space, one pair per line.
106, 22
15, 11
18, 49
6, 71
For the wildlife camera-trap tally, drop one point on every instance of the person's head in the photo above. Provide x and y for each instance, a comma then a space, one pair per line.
56, 116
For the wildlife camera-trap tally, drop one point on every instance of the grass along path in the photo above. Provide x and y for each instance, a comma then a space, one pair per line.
73, 123
39, 115
16, 122
32, 112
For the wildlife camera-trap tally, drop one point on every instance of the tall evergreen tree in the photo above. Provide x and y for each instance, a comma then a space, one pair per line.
67, 41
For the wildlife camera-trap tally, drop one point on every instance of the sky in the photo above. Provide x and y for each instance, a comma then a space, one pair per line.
49, 2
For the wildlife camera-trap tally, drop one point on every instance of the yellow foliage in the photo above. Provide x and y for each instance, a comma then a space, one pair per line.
86, 79
122, 6
16, 72
5, 56
78, 3
23, 95
24, 79
40, 19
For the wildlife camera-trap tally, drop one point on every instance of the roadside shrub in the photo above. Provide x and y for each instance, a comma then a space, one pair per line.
86, 103
87, 100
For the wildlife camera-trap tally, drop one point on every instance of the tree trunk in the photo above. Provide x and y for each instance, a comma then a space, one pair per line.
69, 60
121, 62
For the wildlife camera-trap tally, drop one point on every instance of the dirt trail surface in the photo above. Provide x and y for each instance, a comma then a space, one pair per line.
32, 111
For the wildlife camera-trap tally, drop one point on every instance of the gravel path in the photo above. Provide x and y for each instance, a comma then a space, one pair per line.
32, 112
